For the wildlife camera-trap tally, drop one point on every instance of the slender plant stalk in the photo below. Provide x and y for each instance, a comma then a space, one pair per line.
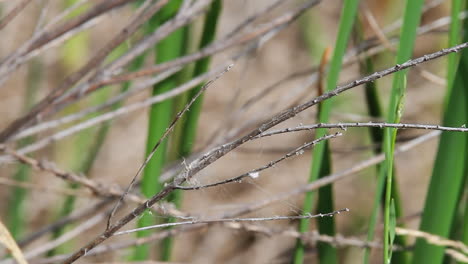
184, 136
374, 109
327, 253
16, 215
450, 169
159, 118
346, 23
412, 15
178, 102
191, 122
454, 38
452, 64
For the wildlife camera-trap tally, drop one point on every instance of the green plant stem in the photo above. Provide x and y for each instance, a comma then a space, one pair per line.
346, 23
159, 118
454, 39
326, 253
412, 15
450, 169
192, 117
184, 136
374, 109
375, 209
16, 212
442, 196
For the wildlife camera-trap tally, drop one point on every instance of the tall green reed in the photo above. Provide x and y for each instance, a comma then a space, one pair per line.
159, 118
190, 123
172, 47
411, 18
183, 138
320, 160
453, 39
449, 175
16, 206
374, 109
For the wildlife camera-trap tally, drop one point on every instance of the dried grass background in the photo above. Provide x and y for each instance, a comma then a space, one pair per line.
123, 150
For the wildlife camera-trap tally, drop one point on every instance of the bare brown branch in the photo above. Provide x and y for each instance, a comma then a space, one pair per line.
13, 13
215, 154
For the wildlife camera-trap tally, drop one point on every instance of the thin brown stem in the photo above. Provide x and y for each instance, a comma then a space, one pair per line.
255, 173
13, 13
92, 63
218, 152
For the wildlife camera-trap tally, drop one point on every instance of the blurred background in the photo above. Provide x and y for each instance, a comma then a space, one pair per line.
277, 72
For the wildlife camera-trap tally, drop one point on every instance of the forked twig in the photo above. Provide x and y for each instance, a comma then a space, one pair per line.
166, 133
214, 155
97, 189
330, 178
226, 220
344, 126
84, 70
255, 173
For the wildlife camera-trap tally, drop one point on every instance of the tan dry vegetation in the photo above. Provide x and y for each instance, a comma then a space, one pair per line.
123, 150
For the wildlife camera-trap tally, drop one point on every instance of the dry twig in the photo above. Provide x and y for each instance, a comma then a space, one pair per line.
166, 133
225, 220
215, 154
13, 13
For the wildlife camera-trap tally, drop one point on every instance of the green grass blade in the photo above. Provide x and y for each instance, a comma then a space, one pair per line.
379, 201
346, 23
159, 118
454, 39
412, 16
375, 209
175, 197
185, 134
16, 212
192, 116
374, 109
392, 224
326, 252
449, 169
